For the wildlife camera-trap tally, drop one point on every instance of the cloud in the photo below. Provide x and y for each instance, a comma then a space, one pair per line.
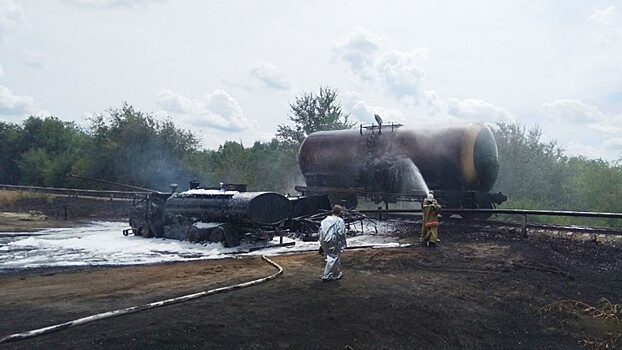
218, 110
359, 51
220, 103
396, 71
12, 19
15, 105
361, 112
1, 71
34, 59
434, 103
477, 110
605, 30
606, 129
110, 4
400, 74
602, 17
613, 144
571, 110
269, 74
576, 149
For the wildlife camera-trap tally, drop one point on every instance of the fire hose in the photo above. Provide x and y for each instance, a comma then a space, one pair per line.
133, 309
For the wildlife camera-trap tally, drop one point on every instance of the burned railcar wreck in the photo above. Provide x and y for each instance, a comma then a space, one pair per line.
225, 214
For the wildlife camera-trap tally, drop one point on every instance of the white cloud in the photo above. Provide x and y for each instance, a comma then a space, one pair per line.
602, 17
359, 51
218, 110
15, 105
361, 112
571, 110
606, 129
220, 103
400, 74
434, 103
477, 110
269, 74
576, 149
397, 72
12, 19
613, 144
1, 71
605, 31
35, 59
110, 4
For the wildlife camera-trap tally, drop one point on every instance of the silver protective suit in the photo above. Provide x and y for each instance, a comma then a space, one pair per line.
333, 242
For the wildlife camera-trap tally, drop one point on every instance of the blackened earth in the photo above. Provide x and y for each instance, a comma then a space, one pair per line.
482, 288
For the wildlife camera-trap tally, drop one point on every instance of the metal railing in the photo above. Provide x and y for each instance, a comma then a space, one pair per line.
112, 195
523, 213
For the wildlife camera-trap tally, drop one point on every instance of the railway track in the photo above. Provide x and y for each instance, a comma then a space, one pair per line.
398, 214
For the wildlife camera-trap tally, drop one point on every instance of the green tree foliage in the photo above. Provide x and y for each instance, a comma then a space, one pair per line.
529, 169
312, 113
135, 148
536, 175
40, 152
9, 152
268, 166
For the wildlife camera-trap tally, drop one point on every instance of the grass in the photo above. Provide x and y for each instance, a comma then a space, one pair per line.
603, 320
553, 220
8, 198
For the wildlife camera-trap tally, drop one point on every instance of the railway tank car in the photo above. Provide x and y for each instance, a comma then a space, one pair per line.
387, 163
217, 215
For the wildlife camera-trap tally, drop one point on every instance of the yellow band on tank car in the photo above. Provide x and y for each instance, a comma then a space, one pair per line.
467, 160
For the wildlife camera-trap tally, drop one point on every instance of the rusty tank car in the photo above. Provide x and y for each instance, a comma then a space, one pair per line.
384, 163
226, 214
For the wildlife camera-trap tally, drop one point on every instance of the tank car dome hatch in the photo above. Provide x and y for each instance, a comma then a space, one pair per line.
479, 157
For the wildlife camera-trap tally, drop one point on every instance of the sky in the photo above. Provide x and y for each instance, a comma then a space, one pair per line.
229, 70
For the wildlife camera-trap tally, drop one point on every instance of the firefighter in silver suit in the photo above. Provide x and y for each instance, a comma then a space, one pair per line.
333, 243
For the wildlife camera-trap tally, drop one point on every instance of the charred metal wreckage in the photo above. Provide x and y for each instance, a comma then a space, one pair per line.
226, 214
377, 163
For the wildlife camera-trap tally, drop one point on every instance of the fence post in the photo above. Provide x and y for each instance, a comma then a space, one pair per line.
523, 222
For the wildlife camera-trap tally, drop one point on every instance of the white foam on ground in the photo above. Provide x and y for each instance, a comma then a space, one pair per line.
102, 243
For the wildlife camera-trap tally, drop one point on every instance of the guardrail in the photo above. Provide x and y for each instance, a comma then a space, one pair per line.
112, 195
521, 212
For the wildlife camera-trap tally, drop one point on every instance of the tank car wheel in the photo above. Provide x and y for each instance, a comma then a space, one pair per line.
145, 231
479, 216
217, 235
193, 235
231, 239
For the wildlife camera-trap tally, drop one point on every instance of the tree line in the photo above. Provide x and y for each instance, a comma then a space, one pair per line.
132, 147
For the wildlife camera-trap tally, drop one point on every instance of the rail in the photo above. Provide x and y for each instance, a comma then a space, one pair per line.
112, 195
521, 212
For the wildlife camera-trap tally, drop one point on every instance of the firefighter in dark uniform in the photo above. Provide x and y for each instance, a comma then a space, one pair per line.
429, 227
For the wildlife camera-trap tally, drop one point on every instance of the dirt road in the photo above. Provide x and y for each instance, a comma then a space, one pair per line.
481, 289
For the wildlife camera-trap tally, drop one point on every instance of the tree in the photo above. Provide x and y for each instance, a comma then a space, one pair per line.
9, 152
40, 151
312, 113
137, 149
530, 170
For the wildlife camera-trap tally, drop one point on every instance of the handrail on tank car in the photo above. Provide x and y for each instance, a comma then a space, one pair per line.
379, 127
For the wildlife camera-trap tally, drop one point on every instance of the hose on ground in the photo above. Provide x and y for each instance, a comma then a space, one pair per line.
133, 309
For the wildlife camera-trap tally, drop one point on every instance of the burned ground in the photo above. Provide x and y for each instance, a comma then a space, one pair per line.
481, 289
